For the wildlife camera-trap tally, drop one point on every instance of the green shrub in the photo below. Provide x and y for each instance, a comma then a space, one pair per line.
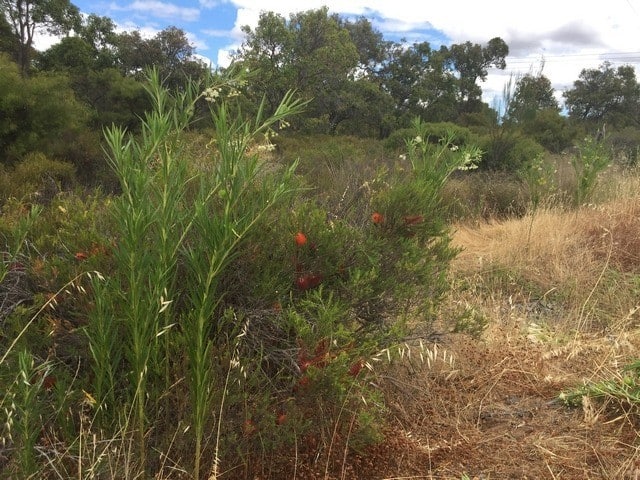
434, 133
508, 150
218, 299
39, 113
551, 130
37, 178
625, 145
592, 158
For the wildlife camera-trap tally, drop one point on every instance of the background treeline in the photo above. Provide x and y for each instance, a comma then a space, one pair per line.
57, 102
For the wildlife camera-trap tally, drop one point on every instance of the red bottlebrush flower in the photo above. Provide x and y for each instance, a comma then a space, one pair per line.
302, 282
81, 256
377, 218
303, 382
300, 239
314, 280
304, 365
355, 369
249, 428
310, 280
413, 219
281, 418
49, 382
321, 348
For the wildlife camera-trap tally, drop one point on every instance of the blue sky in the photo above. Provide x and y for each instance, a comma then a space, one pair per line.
566, 36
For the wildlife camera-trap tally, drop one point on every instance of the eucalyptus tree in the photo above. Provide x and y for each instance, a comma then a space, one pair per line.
532, 93
605, 95
470, 62
25, 17
312, 52
417, 79
169, 51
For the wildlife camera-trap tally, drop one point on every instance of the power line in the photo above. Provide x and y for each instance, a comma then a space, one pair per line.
575, 57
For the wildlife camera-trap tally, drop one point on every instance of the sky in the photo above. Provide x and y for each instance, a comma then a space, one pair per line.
561, 36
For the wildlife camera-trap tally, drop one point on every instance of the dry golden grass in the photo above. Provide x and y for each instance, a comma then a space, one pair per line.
559, 295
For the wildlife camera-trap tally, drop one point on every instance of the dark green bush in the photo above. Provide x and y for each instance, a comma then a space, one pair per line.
434, 131
551, 130
625, 145
507, 150
36, 114
37, 179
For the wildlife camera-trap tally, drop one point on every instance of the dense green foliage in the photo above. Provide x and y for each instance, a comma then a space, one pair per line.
222, 273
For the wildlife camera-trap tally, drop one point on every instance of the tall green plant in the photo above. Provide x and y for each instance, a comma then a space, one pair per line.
592, 159
224, 213
179, 227
23, 410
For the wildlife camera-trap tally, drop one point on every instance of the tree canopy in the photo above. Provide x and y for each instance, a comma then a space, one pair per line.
532, 94
57, 17
605, 95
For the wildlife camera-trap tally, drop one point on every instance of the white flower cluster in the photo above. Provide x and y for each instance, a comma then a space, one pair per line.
468, 161
211, 94
267, 147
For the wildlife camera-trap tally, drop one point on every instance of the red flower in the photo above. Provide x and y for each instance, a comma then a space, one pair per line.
310, 280
300, 239
281, 418
249, 428
302, 282
377, 218
303, 383
355, 369
49, 382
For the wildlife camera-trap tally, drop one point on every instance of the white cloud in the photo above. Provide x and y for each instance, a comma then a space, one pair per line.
161, 10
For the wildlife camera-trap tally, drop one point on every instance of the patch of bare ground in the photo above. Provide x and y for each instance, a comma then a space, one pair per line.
557, 314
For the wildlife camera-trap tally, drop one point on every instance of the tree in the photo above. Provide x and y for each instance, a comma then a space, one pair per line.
532, 94
416, 78
112, 97
605, 95
56, 17
470, 61
69, 54
169, 51
39, 113
100, 33
268, 50
312, 53
325, 59
8, 41
372, 48
550, 129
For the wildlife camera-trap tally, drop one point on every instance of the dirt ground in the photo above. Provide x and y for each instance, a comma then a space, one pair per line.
488, 409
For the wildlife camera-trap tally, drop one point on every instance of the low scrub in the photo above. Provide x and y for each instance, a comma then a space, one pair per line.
218, 307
